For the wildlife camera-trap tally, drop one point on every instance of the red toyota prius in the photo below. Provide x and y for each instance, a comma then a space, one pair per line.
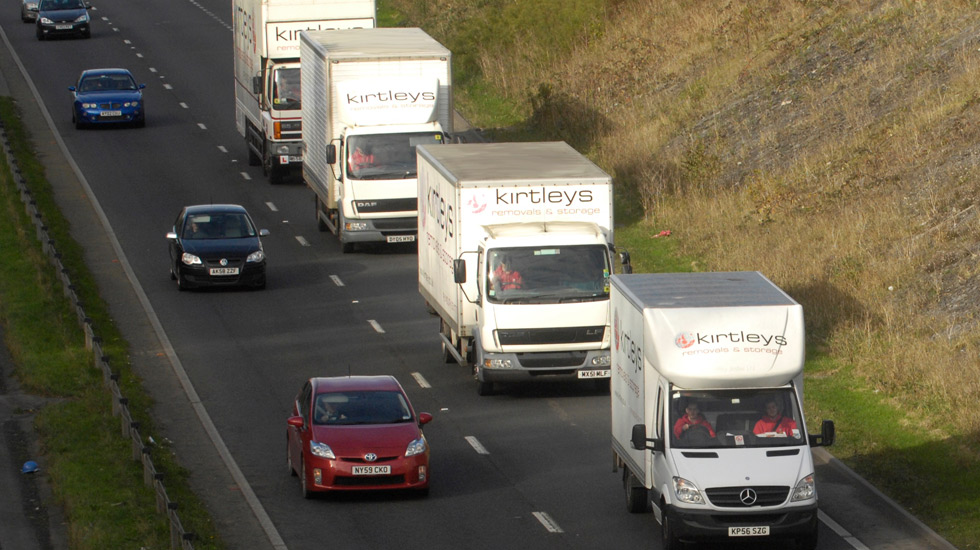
356, 433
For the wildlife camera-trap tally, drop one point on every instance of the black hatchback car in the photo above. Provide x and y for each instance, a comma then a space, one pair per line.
216, 245
63, 18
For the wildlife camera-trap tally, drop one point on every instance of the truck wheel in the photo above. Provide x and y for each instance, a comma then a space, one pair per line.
668, 538
484, 388
447, 357
346, 248
636, 494
253, 159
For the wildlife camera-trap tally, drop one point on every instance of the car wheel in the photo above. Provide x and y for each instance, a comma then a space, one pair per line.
289, 459
141, 123
40, 35
181, 285
808, 542
307, 493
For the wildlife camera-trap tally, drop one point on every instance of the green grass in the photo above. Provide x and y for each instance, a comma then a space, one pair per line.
88, 463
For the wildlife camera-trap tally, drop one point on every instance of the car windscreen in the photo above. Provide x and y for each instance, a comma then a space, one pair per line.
361, 407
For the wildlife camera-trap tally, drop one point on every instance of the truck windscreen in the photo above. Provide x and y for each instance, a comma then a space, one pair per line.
386, 156
547, 275
735, 418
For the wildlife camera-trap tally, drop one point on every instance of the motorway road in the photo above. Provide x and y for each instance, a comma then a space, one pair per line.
530, 467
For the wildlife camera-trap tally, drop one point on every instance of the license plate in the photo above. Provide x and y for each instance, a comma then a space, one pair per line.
110, 113
401, 239
223, 271
748, 531
371, 470
63, 27
594, 373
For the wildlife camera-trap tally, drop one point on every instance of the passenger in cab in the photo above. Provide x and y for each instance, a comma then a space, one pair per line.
774, 424
692, 420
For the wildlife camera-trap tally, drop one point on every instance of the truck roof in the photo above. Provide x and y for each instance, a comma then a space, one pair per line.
378, 42
698, 290
524, 161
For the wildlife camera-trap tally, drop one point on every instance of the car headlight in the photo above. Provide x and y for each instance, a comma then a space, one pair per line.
416, 447
805, 489
89, 105
687, 492
131, 104
190, 259
47, 21
32, 6
256, 256
321, 450
82, 18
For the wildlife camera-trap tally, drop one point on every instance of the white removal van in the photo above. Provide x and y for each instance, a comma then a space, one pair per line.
267, 79
546, 212
707, 416
371, 96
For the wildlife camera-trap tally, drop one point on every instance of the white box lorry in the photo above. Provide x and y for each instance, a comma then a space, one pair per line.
371, 96
707, 416
546, 212
267, 79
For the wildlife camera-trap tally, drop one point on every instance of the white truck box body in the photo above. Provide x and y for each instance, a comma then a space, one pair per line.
491, 196
266, 38
719, 338
370, 82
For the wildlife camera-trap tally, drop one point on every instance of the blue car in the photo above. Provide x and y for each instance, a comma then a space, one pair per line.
107, 96
63, 18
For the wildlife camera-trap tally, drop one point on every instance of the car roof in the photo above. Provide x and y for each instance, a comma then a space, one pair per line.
330, 384
213, 208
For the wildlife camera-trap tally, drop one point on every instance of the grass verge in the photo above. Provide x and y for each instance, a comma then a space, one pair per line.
88, 464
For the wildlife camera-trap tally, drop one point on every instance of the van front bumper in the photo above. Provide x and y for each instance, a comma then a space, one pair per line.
712, 525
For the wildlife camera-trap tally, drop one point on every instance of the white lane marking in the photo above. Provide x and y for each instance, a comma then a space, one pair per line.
270, 205
202, 126
222, 148
477, 446
153, 69
336, 280
841, 532
548, 522
167, 86
139, 55
245, 175
302, 241
376, 326
127, 41
184, 105
422, 382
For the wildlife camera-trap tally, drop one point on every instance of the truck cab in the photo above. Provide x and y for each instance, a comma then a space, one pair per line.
542, 294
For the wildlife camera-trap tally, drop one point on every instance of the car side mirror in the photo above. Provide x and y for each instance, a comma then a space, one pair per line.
424, 418
295, 421
264, 233
172, 236
331, 153
71, 88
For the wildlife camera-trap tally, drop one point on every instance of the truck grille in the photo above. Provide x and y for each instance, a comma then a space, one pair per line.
562, 335
386, 205
732, 497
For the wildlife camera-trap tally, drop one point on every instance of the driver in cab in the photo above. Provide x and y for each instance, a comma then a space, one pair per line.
692, 418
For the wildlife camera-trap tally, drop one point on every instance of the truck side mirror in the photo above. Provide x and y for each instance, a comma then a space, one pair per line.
331, 153
624, 260
828, 434
459, 271
638, 438
256, 85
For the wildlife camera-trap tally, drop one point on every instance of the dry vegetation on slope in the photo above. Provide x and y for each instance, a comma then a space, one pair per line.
832, 145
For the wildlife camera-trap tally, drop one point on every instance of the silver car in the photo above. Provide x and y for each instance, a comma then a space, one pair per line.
28, 10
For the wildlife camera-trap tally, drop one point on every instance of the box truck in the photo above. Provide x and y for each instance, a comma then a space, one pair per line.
707, 415
371, 96
267, 79
515, 254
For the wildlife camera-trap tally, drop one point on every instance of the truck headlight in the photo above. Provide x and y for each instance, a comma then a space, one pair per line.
498, 363
355, 226
603, 360
805, 489
687, 492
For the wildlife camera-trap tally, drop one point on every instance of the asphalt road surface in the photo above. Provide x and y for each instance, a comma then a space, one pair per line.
530, 467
